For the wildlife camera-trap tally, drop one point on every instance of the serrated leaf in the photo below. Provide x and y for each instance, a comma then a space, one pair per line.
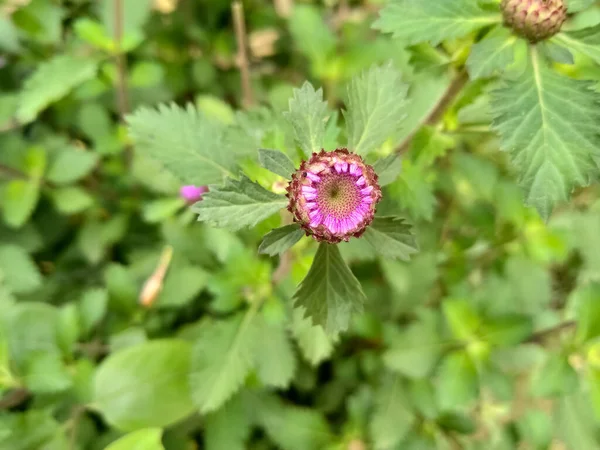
549, 125
586, 41
146, 439
292, 427
229, 427
280, 239
277, 162
376, 107
274, 357
145, 385
388, 169
51, 81
415, 21
391, 420
556, 53
493, 53
392, 238
330, 293
314, 344
184, 141
238, 204
221, 361
308, 115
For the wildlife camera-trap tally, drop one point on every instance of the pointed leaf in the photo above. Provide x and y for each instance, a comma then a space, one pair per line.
308, 114
330, 293
415, 21
274, 357
549, 124
238, 204
376, 108
146, 439
51, 81
277, 162
221, 361
494, 53
184, 141
388, 169
280, 239
145, 385
229, 427
586, 41
392, 238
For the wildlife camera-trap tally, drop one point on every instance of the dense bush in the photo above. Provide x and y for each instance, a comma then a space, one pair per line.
139, 312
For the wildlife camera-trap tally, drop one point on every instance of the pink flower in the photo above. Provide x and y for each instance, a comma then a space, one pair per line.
333, 195
192, 193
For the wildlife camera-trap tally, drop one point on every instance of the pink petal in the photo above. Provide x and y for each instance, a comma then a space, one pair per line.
313, 177
311, 205
310, 196
308, 189
353, 169
367, 200
344, 166
338, 167
366, 190
361, 181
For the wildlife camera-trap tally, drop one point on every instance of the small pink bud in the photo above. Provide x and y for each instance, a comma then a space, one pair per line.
192, 193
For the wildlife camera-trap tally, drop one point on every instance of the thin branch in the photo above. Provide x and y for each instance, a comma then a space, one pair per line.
237, 10
286, 259
438, 111
541, 336
121, 88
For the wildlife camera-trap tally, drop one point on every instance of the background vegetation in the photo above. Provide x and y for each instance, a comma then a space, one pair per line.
485, 339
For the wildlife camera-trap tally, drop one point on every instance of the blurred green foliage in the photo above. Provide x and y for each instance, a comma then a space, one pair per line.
485, 339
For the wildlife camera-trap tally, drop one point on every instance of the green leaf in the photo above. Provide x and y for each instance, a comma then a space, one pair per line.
578, 5
312, 35
308, 115
145, 439
221, 361
276, 162
19, 199
557, 53
507, 330
228, 428
330, 293
314, 344
92, 308
376, 108
415, 21
555, 377
274, 356
391, 420
238, 204
292, 427
183, 283
574, 421
586, 41
460, 423
184, 141
493, 53
587, 299
388, 169
392, 238
51, 81
458, 383
71, 200
548, 124
71, 165
161, 209
45, 373
19, 271
462, 319
145, 385
280, 239
9, 37
415, 352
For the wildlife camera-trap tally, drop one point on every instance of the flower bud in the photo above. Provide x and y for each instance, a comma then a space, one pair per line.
534, 20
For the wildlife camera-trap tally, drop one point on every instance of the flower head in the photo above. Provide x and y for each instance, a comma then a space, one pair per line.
192, 193
535, 20
333, 195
